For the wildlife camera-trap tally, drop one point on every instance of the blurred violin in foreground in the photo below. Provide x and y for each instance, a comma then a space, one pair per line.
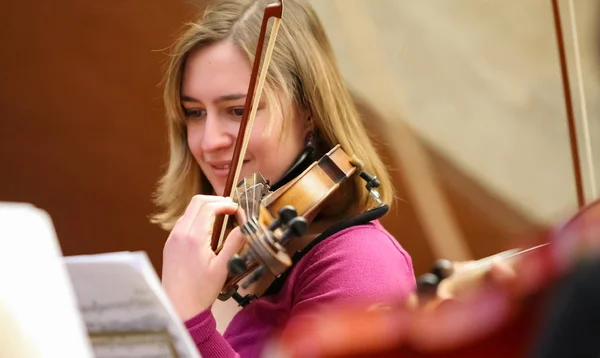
459, 311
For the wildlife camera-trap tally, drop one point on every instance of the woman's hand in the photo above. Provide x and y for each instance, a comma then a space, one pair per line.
458, 279
498, 273
193, 275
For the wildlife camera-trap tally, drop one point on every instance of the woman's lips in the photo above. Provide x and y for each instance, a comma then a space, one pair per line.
221, 170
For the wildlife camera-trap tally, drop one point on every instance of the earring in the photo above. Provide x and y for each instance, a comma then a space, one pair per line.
309, 140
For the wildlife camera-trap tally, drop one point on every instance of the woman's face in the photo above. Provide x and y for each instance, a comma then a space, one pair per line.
214, 86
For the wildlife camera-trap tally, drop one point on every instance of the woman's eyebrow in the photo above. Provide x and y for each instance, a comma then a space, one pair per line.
224, 98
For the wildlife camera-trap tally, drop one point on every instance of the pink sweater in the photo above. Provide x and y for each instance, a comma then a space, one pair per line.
363, 263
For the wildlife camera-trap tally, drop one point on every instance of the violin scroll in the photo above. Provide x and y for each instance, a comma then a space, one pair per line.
238, 265
266, 247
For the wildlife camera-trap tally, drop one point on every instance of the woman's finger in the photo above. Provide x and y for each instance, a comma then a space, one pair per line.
233, 244
202, 225
195, 206
501, 273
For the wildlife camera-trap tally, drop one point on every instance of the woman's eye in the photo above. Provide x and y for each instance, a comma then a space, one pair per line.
193, 112
238, 111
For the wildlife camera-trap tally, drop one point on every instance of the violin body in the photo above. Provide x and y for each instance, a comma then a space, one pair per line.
493, 319
310, 189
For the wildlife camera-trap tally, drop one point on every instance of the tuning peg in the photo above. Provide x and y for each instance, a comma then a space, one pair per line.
372, 181
296, 227
372, 184
286, 214
253, 277
442, 269
237, 264
427, 284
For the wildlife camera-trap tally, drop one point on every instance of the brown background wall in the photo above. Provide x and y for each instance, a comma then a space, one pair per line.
82, 133
81, 129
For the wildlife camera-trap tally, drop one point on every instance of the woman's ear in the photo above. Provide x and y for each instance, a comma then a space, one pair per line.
309, 125
309, 134
309, 130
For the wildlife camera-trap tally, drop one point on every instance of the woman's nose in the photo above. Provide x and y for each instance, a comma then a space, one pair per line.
216, 135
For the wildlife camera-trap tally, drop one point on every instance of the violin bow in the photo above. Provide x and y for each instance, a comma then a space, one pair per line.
432, 208
275, 11
569, 103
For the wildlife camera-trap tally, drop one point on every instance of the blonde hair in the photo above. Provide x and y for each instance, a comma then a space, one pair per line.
303, 71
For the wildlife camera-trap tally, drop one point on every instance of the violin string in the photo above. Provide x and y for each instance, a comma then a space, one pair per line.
256, 248
256, 198
526, 250
246, 196
253, 197
503, 256
583, 101
254, 194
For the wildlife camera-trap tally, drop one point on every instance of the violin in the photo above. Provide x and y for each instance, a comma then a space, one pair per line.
271, 219
495, 320
448, 280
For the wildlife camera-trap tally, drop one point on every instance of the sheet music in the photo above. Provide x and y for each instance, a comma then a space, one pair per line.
124, 308
145, 345
38, 309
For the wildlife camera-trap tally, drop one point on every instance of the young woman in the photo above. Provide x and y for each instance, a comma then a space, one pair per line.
305, 110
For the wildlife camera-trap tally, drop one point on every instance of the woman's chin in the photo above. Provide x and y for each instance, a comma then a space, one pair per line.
218, 187
219, 190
